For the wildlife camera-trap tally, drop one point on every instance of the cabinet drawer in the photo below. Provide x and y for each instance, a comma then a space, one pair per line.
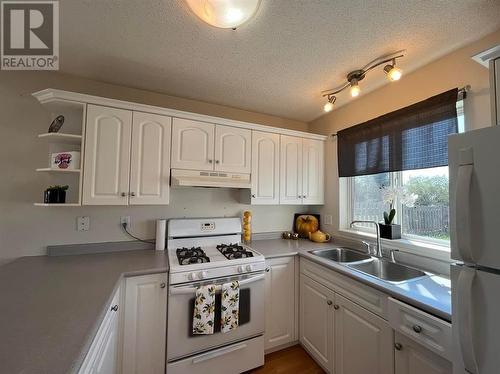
363, 295
235, 358
422, 327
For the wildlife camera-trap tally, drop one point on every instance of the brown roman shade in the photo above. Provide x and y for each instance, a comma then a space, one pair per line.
415, 137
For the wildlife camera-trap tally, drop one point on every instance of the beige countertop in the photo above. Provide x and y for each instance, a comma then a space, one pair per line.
51, 307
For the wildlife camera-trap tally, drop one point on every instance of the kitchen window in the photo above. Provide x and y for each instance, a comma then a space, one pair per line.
426, 221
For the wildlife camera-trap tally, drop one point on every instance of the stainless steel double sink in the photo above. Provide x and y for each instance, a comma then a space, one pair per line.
373, 266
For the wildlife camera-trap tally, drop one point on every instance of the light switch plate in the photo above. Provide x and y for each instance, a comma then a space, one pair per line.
83, 223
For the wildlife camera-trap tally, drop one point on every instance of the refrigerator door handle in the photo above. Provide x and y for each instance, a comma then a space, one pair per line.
464, 318
462, 206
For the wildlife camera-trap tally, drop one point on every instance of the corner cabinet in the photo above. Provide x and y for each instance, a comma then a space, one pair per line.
102, 357
281, 303
363, 341
205, 146
317, 321
127, 157
145, 318
301, 171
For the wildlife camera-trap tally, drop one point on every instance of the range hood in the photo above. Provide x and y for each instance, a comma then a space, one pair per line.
200, 178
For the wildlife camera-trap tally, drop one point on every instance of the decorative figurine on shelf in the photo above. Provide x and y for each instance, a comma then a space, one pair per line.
390, 195
55, 194
247, 226
56, 124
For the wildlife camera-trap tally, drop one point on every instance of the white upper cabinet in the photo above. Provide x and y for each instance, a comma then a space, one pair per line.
192, 145
313, 171
265, 168
301, 171
127, 157
150, 161
291, 170
232, 149
107, 156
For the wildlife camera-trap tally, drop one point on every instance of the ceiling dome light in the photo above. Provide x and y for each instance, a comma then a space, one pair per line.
393, 73
355, 90
226, 14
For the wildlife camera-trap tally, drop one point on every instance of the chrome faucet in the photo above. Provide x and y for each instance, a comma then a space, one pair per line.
377, 229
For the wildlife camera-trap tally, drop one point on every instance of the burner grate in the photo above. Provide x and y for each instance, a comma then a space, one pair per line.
193, 255
234, 251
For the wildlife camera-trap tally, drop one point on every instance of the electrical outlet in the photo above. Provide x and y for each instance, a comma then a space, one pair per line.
83, 223
328, 219
125, 219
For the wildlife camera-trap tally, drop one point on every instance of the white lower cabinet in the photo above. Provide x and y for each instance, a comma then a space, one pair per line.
281, 302
317, 321
413, 358
102, 357
145, 318
363, 341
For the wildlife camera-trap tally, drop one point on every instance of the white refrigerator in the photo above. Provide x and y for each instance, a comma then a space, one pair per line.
474, 160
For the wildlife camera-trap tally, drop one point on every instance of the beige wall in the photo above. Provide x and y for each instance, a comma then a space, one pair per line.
456, 69
26, 230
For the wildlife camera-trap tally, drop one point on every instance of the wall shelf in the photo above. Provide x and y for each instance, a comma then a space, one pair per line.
57, 205
49, 170
56, 137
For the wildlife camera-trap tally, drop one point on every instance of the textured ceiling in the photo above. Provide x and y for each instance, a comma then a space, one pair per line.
278, 63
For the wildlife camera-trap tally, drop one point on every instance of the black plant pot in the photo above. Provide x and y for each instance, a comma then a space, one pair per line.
390, 231
54, 197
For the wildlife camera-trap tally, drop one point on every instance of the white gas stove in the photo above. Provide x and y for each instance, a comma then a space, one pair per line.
207, 248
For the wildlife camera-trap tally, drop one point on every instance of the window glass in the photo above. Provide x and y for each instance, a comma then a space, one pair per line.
367, 200
429, 217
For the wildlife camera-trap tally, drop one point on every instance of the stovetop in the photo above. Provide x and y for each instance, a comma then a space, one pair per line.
196, 263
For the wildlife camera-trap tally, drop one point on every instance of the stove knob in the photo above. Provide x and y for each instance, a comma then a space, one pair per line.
249, 267
202, 274
241, 269
192, 276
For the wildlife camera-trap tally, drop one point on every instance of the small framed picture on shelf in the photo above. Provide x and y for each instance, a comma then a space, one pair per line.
65, 160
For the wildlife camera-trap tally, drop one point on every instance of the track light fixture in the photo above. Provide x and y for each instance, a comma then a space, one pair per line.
354, 77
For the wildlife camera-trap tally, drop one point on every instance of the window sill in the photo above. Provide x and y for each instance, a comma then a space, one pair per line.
413, 247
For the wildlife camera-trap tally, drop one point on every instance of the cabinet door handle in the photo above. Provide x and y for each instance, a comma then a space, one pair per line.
210, 161
114, 308
253, 195
132, 194
417, 329
217, 161
329, 302
398, 346
123, 194
336, 307
268, 270
162, 285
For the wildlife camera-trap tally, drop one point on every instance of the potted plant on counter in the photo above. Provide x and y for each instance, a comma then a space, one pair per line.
391, 195
55, 194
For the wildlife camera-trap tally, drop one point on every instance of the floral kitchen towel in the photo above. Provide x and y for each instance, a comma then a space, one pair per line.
204, 310
230, 312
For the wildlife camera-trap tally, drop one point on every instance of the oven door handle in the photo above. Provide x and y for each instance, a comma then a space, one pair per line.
192, 289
